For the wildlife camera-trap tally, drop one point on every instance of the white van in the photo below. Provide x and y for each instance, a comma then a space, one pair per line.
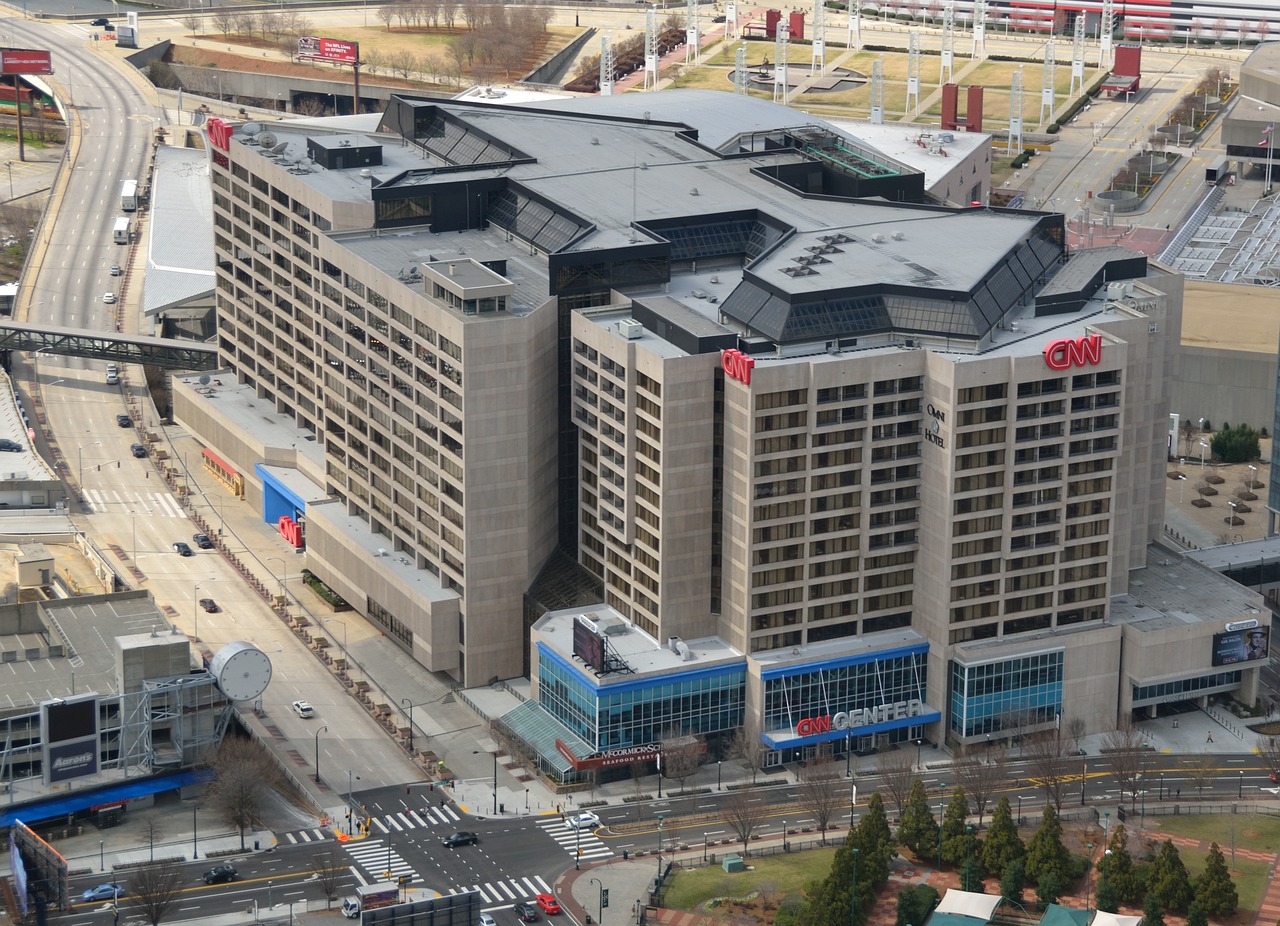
122, 230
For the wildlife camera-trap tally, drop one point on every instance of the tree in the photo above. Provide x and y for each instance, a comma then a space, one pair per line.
875, 843
1050, 886
917, 829
1076, 729
151, 829
1202, 770
155, 890
821, 792
330, 869
387, 13
681, 756
915, 903
245, 774
1049, 766
1168, 878
1045, 853
1152, 911
746, 748
1106, 897
1013, 880
194, 22
971, 871
1116, 865
1123, 748
1002, 845
744, 811
1269, 751
224, 21
980, 772
1196, 915
1236, 445
1215, 891
955, 836
896, 768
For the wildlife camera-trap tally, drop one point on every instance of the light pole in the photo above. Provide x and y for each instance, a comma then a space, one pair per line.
318, 732
334, 620
80, 459
1019, 810
919, 743
1084, 770
9, 164
405, 702
968, 862
718, 779
1253, 477
600, 899
1240, 792
350, 796
1162, 785
853, 892
283, 578
195, 833
102, 865
195, 609
577, 848
1203, 448
658, 881
1088, 881
1182, 487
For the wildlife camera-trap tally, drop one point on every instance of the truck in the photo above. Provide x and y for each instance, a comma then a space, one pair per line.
1217, 170
122, 230
371, 897
129, 196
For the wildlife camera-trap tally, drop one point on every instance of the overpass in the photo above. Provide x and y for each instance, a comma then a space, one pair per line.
166, 353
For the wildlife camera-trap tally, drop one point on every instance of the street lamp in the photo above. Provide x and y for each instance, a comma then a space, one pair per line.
1084, 770
658, 881
718, 779
350, 794
1253, 476
1240, 792
1088, 882
406, 702
195, 833
577, 848
9, 164
1203, 448
968, 864
853, 892
1182, 487
323, 729
195, 608
80, 459
283, 578
600, 899
918, 745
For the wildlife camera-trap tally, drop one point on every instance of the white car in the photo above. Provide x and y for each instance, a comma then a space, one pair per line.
583, 821
486, 919
303, 709
108, 298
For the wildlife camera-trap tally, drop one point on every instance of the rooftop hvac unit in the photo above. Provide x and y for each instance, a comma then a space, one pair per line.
1118, 290
878, 238
630, 329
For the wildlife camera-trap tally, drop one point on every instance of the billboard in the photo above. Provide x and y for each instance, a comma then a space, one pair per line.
1236, 646
70, 742
587, 644
25, 61
335, 50
451, 910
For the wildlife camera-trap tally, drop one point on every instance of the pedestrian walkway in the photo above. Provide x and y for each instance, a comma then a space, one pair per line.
581, 843
380, 860
135, 503
498, 895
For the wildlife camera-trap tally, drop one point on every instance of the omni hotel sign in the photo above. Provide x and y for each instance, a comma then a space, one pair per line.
860, 717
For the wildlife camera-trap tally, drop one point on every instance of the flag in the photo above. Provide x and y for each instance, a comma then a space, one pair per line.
1266, 135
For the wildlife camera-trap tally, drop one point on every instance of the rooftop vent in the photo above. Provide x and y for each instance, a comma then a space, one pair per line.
898, 236
878, 238
630, 329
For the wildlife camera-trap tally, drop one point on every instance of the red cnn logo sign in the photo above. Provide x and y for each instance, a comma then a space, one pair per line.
1073, 352
219, 134
737, 365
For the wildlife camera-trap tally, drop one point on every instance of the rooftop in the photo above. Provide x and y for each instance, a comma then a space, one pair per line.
1173, 589
180, 242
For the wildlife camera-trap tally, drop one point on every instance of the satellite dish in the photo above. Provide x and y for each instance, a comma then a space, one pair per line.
266, 140
204, 379
250, 128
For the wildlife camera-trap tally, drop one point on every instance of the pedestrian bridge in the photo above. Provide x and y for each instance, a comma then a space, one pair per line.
166, 353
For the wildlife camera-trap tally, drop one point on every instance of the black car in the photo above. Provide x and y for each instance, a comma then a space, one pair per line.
718, 19
460, 839
11, 446
526, 912
202, 541
182, 549
100, 21
124, 421
223, 874
138, 450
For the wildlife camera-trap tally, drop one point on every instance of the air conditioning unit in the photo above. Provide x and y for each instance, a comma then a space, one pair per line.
630, 329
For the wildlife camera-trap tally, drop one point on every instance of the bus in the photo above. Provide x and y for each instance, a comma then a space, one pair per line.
129, 196
122, 230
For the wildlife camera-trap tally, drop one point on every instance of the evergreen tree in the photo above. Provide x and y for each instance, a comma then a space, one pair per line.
875, 840
1106, 898
1002, 845
1045, 853
1014, 880
1152, 911
1168, 879
828, 901
971, 875
918, 830
1195, 915
1050, 887
955, 840
915, 903
1117, 865
1215, 891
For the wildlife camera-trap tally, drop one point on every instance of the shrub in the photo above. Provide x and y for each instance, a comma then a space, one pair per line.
1236, 445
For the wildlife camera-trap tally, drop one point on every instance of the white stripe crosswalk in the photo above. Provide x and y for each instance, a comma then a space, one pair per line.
301, 836
389, 824
161, 503
583, 844
507, 892
380, 860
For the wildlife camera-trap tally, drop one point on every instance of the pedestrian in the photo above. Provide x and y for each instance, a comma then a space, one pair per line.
1209, 739
1179, 794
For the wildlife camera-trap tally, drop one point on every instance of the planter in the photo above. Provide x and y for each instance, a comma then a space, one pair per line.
1120, 200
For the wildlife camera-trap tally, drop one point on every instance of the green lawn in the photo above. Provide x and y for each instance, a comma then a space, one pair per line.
1256, 832
786, 873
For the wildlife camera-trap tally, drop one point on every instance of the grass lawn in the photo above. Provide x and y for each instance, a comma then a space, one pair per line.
1255, 832
787, 873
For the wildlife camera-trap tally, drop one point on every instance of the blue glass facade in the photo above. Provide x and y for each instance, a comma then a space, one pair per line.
644, 710
1019, 692
861, 695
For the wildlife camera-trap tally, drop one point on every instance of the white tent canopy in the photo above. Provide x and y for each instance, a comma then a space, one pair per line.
1114, 919
983, 906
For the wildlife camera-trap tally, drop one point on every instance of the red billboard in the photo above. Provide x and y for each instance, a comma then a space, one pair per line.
25, 61
335, 50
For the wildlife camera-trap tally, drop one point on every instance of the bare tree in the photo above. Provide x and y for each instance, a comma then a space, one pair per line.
373, 59
981, 771
224, 21
822, 790
449, 13
1049, 765
744, 811
155, 890
151, 829
1269, 752
387, 13
329, 868
896, 768
401, 62
1124, 751
1076, 729
244, 776
681, 756
637, 786
1202, 770
746, 749
193, 21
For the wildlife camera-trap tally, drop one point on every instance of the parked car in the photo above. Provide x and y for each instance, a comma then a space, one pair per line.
103, 892
124, 421
526, 912
182, 549
202, 541
303, 709
138, 450
460, 839
548, 903
583, 821
223, 874
209, 605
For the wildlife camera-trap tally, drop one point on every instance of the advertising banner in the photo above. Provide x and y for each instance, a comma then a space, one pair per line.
25, 61
321, 49
1237, 646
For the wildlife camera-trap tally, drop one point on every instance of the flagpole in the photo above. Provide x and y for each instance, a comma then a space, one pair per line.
1266, 142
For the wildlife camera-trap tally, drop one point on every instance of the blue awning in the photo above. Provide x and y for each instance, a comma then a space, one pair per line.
38, 811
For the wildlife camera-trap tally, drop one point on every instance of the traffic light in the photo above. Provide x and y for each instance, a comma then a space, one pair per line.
604, 897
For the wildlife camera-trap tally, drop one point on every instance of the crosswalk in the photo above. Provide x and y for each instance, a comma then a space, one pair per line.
386, 824
154, 503
585, 842
380, 860
507, 892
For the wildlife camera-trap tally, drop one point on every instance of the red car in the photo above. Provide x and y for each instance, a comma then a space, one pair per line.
548, 903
